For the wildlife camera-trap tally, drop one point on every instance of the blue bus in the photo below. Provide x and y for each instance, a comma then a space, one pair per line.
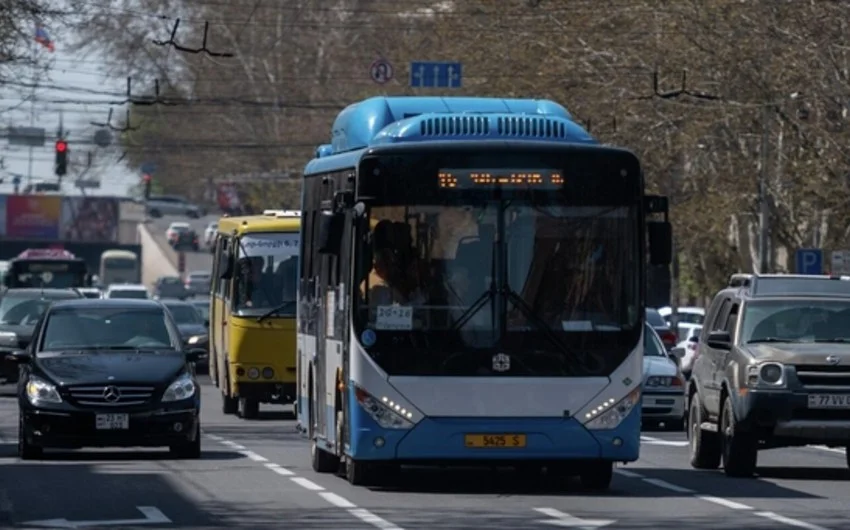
472, 290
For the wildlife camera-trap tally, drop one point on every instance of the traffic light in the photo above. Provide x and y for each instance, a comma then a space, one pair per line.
61, 167
147, 179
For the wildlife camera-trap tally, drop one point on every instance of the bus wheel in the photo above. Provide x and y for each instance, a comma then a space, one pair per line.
229, 405
597, 475
322, 461
249, 409
359, 473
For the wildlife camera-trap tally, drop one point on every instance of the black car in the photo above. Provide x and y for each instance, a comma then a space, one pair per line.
668, 336
20, 310
107, 373
194, 329
169, 287
186, 240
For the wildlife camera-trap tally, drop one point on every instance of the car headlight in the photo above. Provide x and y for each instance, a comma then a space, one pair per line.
608, 415
7, 335
384, 415
195, 339
40, 392
770, 375
182, 388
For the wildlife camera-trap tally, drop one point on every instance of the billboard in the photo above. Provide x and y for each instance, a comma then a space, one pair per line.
90, 219
32, 216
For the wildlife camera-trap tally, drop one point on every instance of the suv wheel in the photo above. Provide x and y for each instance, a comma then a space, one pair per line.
740, 449
704, 446
156, 214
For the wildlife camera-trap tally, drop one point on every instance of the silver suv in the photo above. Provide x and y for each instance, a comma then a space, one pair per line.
159, 205
773, 370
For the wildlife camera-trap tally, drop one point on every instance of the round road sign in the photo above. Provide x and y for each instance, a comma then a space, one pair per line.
381, 71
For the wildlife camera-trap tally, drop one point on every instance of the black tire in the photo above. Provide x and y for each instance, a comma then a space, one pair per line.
191, 214
188, 450
597, 475
322, 461
26, 450
704, 446
156, 214
739, 448
249, 408
229, 405
359, 473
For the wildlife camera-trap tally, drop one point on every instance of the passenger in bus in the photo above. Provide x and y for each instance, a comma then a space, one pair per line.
254, 286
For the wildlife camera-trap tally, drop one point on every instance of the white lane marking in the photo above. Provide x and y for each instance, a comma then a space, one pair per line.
307, 484
340, 502
279, 469
368, 517
336, 500
254, 456
790, 522
559, 518
667, 486
628, 474
658, 441
725, 502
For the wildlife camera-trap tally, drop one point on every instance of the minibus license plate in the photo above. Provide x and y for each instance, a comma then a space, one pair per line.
112, 422
506, 441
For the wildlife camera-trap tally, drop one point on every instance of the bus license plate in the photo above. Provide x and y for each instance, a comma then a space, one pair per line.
829, 401
507, 441
112, 422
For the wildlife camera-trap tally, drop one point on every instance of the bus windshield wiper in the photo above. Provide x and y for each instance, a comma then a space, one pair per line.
532, 317
277, 309
834, 339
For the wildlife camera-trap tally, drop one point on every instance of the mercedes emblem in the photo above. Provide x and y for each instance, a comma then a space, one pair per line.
833, 359
111, 394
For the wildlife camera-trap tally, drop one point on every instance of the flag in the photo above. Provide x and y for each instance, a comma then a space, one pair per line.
43, 38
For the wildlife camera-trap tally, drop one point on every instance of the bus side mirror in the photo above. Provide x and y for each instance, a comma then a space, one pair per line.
331, 226
660, 242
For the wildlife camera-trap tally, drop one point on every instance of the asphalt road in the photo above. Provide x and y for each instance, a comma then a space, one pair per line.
195, 261
256, 474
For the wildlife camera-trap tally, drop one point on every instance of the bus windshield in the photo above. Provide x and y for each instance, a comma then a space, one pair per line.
121, 263
549, 275
266, 275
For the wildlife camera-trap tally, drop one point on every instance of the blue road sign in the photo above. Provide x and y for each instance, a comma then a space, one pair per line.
148, 168
809, 261
430, 74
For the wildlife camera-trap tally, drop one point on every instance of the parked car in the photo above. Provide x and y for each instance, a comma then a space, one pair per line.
663, 392
107, 373
668, 336
160, 205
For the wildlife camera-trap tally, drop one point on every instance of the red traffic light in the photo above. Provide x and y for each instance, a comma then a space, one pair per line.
146, 177
61, 146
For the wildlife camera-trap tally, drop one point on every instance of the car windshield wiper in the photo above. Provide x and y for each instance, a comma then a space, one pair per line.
772, 339
127, 347
834, 339
277, 309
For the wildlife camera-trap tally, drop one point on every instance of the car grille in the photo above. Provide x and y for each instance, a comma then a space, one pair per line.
106, 395
823, 377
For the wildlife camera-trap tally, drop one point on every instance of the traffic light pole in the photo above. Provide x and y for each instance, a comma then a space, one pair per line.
33, 49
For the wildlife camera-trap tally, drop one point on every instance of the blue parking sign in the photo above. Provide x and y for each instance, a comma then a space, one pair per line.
809, 261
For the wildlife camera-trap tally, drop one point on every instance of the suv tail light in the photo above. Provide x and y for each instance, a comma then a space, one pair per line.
668, 338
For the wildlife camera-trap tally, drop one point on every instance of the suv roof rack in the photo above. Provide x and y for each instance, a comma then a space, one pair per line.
740, 280
790, 284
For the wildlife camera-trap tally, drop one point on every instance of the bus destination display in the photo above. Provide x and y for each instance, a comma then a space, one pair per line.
464, 179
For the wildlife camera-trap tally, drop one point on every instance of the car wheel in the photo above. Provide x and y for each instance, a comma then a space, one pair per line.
26, 450
155, 213
739, 448
189, 450
703, 446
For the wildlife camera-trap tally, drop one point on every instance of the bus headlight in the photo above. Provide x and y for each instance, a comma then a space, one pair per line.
384, 414
608, 415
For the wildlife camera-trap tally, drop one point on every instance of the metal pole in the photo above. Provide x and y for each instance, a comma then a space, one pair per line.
34, 50
764, 205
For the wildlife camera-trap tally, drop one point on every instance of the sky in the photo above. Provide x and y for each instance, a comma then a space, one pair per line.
67, 70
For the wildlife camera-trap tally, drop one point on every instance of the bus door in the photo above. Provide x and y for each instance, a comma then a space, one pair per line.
222, 271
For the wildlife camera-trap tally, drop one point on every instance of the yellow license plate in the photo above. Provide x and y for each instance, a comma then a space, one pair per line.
508, 441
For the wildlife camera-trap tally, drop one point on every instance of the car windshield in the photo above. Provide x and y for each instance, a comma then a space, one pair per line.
266, 276
107, 328
689, 318
25, 310
686, 332
128, 293
796, 320
184, 314
654, 319
652, 345
549, 276
179, 228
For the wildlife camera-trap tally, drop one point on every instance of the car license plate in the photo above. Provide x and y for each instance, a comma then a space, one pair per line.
829, 401
112, 422
508, 441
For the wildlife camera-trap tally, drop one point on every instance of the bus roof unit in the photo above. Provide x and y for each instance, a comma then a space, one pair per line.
388, 120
